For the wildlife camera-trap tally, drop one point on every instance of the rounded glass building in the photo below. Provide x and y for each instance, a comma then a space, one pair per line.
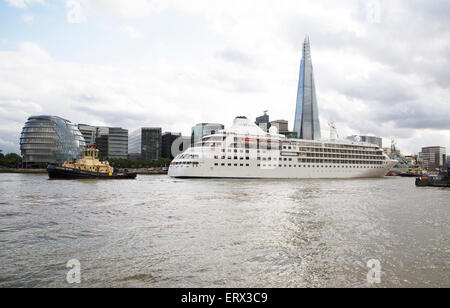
50, 140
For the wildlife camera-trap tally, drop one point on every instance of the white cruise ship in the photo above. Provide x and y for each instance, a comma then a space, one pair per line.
246, 151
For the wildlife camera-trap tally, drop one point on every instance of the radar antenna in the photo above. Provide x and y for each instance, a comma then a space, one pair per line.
393, 145
333, 131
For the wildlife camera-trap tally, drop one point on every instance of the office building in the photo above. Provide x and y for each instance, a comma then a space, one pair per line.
283, 128
433, 158
117, 142
89, 133
263, 122
204, 129
112, 142
307, 124
281, 125
145, 144
49, 140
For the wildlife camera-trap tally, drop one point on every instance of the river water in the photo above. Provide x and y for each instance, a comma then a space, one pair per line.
162, 232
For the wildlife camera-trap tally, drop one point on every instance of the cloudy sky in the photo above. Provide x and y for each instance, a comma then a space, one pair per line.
382, 67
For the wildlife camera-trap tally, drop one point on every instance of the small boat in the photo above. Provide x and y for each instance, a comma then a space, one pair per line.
442, 180
409, 175
88, 167
415, 172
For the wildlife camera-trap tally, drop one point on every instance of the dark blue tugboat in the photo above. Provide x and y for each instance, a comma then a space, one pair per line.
442, 180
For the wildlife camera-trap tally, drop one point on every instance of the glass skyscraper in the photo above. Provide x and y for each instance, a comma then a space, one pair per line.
307, 125
145, 143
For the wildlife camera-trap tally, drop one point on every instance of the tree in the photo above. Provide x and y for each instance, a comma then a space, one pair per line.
11, 160
161, 162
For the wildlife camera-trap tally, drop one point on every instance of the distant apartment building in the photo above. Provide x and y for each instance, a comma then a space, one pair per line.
433, 158
168, 140
204, 129
263, 122
145, 143
369, 139
281, 125
89, 133
112, 142
117, 142
283, 128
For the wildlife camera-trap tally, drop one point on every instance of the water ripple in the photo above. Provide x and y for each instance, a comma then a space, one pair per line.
161, 232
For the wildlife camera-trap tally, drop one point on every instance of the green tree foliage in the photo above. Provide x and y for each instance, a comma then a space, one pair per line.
11, 160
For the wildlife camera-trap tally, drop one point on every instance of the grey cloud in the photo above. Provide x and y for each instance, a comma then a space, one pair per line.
111, 116
235, 56
240, 85
416, 116
413, 29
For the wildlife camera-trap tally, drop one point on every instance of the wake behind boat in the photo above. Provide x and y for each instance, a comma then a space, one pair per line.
87, 167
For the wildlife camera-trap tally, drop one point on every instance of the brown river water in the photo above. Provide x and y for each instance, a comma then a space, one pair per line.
161, 232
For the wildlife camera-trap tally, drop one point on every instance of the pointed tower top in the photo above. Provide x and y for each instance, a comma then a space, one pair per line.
307, 39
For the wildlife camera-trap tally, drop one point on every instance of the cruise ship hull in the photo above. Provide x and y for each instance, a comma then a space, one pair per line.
308, 172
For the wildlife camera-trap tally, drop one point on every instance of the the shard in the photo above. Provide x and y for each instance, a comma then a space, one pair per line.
307, 125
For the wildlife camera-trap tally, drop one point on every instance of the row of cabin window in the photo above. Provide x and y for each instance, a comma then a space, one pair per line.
276, 145
230, 157
344, 156
320, 150
304, 166
248, 158
235, 165
318, 166
304, 160
354, 152
326, 161
186, 163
